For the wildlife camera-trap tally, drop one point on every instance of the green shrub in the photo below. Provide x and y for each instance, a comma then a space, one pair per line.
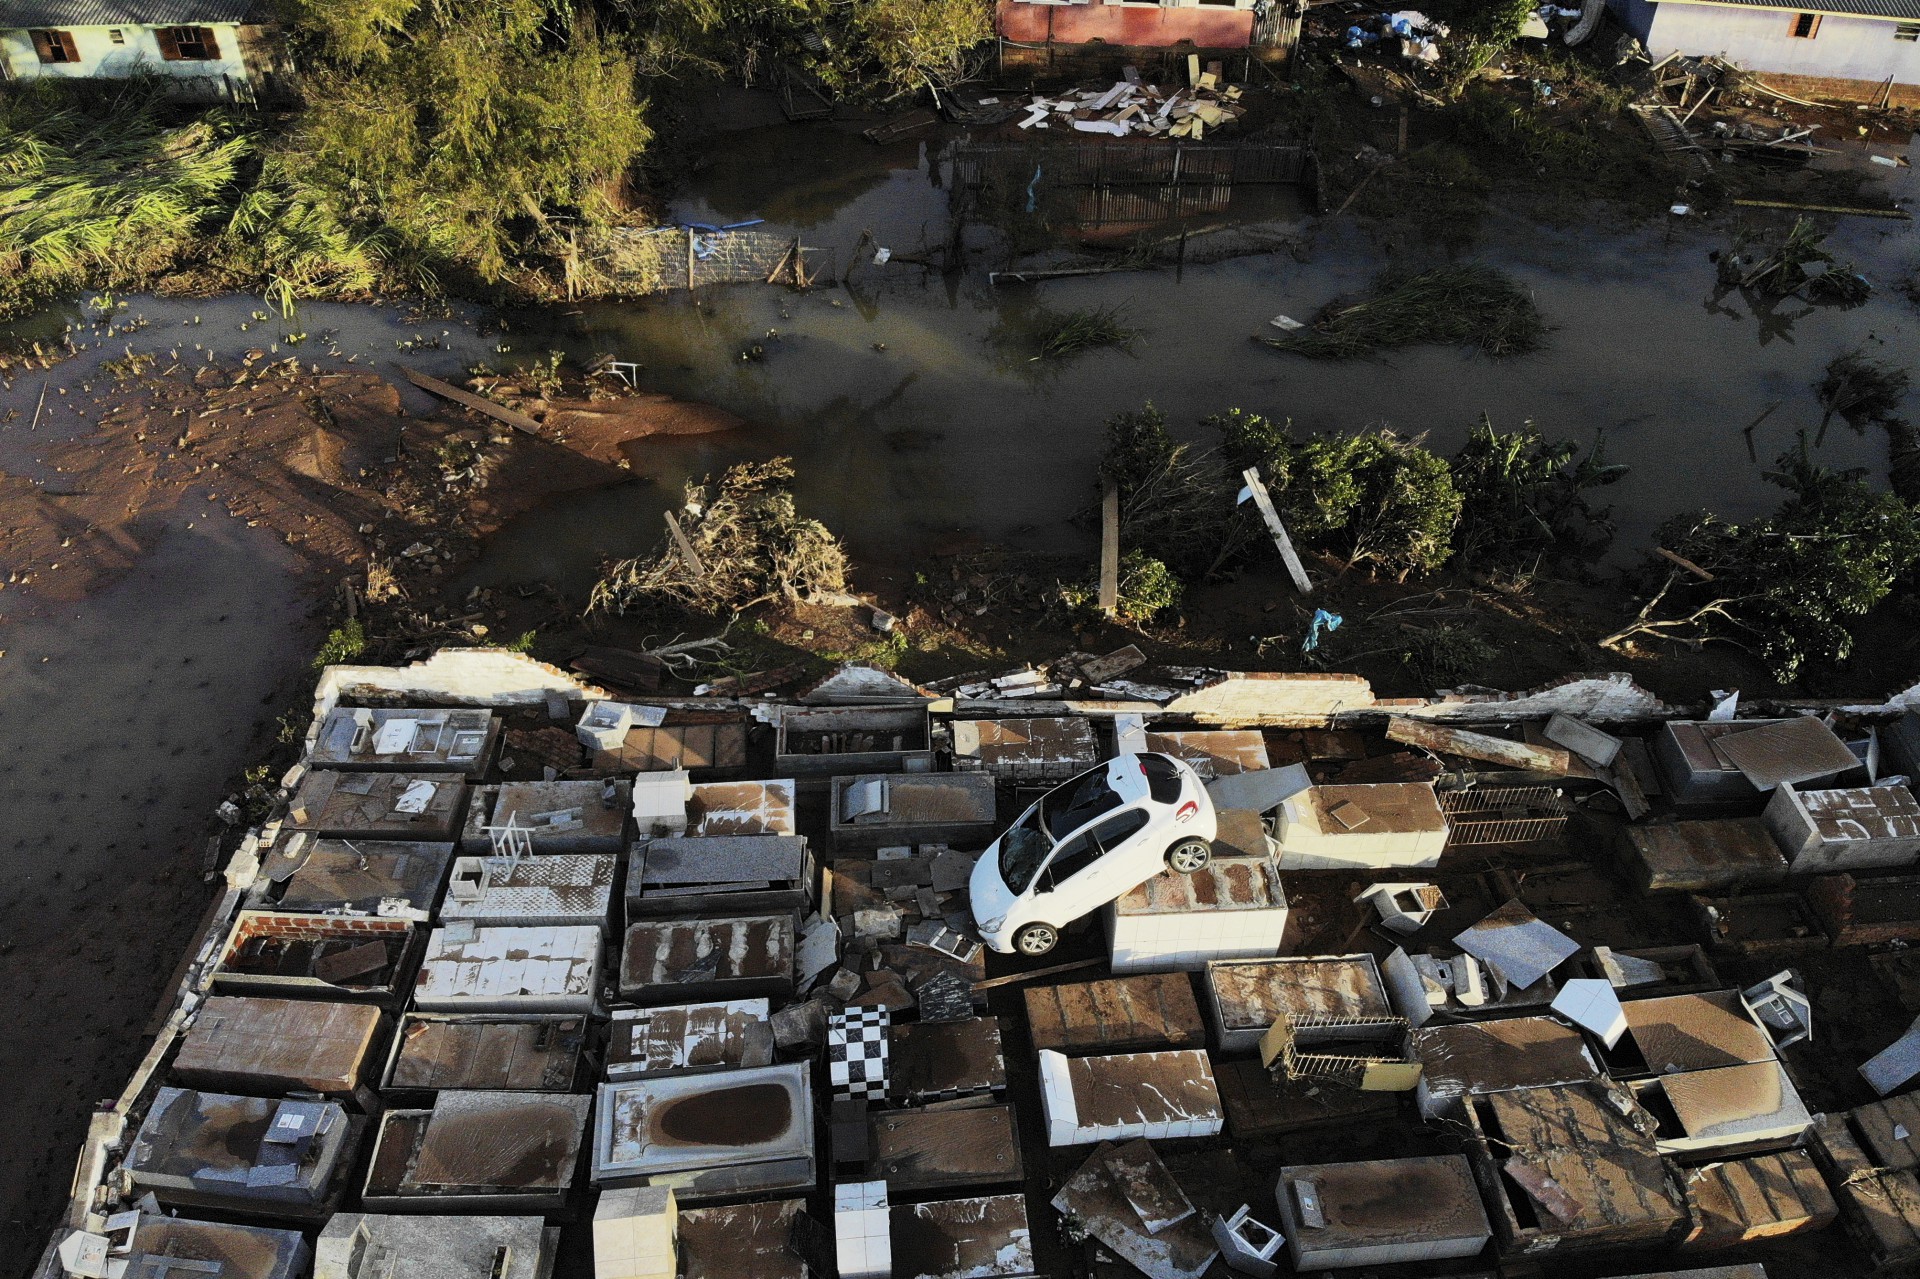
343, 643
1524, 501
1375, 498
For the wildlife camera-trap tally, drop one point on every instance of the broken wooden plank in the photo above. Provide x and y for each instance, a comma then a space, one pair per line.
1109, 546
1011, 978
1837, 209
466, 399
687, 554
1492, 750
1264, 500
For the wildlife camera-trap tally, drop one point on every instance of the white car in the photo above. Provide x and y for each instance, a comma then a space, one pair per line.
1086, 842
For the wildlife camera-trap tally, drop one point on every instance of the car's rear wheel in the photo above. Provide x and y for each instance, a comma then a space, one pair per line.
1036, 939
1189, 856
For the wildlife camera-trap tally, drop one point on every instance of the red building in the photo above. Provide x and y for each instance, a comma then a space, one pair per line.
1266, 27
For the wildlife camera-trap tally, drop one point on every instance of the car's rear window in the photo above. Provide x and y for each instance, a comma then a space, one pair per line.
1078, 802
1163, 779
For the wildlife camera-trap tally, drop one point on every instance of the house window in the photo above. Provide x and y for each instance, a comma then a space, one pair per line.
1907, 31
1806, 26
187, 44
117, 36
55, 46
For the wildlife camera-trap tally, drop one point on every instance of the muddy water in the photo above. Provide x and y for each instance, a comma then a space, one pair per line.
913, 411
124, 718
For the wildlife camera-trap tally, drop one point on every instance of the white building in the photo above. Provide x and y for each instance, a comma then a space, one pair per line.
215, 49
1846, 49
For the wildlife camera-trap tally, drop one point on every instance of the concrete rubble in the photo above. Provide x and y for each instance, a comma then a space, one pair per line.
1442, 993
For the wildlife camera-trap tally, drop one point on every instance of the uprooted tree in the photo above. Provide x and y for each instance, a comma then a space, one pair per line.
1375, 499
751, 545
1784, 587
1176, 501
1524, 500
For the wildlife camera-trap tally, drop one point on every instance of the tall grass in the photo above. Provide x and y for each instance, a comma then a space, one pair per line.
1063, 334
101, 187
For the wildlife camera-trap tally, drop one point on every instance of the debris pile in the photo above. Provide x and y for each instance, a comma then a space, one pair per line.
1130, 108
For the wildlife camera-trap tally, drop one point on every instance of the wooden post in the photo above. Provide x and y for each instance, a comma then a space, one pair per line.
689, 259
1264, 500
681, 544
1109, 547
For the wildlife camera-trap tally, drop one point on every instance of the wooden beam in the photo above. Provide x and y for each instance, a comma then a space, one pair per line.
1109, 546
1493, 750
466, 399
1011, 978
687, 554
1264, 500
1840, 210
1683, 562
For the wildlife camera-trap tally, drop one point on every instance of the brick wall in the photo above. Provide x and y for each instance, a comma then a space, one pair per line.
1817, 87
253, 924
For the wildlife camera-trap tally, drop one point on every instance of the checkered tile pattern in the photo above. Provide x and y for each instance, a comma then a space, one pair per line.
857, 1052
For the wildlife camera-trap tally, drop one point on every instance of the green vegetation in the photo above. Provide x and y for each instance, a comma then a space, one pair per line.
752, 545
1861, 392
1064, 334
1454, 304
1375, 498
1784, 587
1148, 588
1524, 501
105, 186
343, 643
462, 144
1176, 501
1479, 31
1799, 264
1443, 655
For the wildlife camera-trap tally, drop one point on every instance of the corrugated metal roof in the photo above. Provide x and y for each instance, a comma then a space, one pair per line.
125, 13
1894, 10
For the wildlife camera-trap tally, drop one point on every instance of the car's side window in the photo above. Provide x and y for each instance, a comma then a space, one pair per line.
1113, 832
1070, 858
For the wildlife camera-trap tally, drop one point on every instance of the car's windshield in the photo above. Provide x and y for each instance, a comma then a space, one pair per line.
1022, 849
1075, 803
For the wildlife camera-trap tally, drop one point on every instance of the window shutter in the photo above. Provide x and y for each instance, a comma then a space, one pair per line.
208, 43
43, 46
169, 44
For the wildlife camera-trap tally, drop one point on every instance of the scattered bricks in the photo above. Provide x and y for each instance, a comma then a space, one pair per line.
844, 984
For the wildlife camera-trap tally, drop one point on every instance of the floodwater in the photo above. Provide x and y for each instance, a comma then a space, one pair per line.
913, 412
913, 415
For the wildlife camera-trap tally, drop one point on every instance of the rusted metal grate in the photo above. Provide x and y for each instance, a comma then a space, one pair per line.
1503, 814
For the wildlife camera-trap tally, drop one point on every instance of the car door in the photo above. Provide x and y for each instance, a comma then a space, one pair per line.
1059, 892
1081, 876
1118, 867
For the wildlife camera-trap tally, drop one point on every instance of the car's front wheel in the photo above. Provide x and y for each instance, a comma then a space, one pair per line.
1036, 939
1189, 856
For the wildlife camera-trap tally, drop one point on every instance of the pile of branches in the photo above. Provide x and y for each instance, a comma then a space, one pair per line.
750, 545
1452, 304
